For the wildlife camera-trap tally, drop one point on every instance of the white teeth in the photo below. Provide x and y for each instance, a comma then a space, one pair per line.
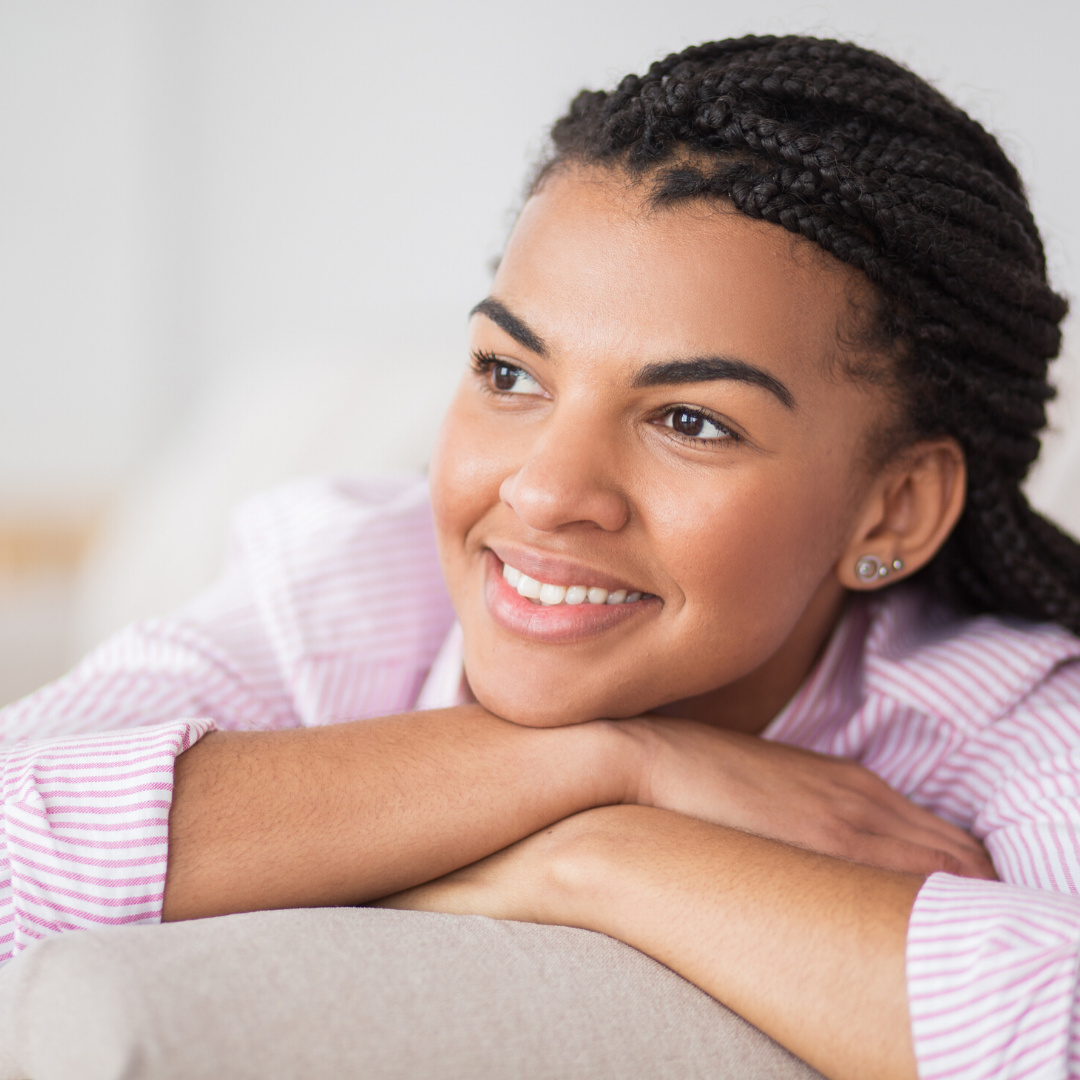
529, 587
552, 595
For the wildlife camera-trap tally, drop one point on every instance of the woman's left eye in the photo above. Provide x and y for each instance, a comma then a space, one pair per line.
508, 379
695, 425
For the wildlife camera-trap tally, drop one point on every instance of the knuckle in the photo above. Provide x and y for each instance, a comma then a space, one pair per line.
856, 812
835, 837
944, 862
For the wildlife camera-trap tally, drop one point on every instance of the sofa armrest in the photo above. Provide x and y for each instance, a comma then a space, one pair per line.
364, 992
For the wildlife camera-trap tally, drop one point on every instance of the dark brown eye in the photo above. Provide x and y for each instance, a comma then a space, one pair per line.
686, 422
504, 377
508, 379
695, 425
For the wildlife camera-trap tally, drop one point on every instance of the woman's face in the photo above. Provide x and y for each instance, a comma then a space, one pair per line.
656, 406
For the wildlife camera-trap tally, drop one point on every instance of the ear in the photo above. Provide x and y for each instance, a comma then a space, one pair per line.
907, 515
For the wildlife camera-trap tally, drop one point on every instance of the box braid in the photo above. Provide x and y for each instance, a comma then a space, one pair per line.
850, 150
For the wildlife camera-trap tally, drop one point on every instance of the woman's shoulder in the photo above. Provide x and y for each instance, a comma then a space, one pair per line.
331, 528
323, 509
971, 670
346, 565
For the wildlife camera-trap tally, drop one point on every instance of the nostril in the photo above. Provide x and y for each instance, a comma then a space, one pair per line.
545, 501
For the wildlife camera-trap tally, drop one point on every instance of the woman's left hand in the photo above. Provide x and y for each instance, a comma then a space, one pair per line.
817, 801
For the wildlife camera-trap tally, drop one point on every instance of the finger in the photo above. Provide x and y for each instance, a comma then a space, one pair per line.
954, 834
971, 854
927, 820
891, 837
844, 775
892, 853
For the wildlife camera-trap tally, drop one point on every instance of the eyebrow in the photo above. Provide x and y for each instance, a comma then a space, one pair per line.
710, 368
517, 328
695, 370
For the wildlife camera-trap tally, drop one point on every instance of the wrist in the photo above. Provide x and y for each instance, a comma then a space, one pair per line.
589, 862
621, 760
573, 870
645, 748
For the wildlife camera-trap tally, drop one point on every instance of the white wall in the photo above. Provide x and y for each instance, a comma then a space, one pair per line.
193, 186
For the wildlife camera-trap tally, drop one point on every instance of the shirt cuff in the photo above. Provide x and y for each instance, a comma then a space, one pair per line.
992, 980
84, 832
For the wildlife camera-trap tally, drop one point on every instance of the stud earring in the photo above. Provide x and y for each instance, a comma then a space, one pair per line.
870, 568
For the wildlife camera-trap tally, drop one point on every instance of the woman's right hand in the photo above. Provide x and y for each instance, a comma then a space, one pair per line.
826, 804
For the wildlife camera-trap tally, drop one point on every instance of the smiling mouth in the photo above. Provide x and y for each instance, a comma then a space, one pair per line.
560, 614
546, 595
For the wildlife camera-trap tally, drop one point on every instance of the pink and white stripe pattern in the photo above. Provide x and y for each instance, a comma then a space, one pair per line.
332, 607
992, 980
979, 721
85, 828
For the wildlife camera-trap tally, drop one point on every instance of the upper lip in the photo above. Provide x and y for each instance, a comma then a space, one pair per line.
557, 570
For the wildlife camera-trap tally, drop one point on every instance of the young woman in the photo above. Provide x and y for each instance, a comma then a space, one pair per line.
725, 628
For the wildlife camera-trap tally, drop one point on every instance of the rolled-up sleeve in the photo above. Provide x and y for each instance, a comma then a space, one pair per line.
992, 980
993, 967
84, 831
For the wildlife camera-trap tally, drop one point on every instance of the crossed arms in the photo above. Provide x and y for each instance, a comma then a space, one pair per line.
777, 880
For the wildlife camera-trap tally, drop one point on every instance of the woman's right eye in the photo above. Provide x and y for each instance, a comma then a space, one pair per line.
512, 380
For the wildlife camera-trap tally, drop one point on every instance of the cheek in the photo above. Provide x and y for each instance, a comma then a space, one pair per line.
465, 474
749, 557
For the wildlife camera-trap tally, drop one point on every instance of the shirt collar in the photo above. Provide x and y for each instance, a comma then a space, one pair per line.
445, 685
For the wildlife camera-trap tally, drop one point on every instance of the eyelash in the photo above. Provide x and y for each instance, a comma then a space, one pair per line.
705, 414
482, 363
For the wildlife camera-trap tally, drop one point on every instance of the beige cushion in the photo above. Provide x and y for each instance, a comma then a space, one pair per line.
367, 993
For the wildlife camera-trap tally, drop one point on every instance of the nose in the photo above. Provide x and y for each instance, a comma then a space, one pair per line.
569, 477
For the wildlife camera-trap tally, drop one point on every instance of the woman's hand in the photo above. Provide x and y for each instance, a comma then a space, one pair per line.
827, 804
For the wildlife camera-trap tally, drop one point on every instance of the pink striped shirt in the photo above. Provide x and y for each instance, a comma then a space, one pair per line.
332, 607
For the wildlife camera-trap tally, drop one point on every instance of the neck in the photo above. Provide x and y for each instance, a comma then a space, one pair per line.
750, 703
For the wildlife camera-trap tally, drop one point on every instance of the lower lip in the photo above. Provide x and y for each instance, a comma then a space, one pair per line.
559, 623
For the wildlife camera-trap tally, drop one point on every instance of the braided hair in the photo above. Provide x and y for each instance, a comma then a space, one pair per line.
854, 152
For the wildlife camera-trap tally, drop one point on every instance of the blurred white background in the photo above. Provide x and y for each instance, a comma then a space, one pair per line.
238, 240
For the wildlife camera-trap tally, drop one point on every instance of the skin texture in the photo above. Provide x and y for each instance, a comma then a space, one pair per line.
739, 537
611, 773
808, 948
350, 812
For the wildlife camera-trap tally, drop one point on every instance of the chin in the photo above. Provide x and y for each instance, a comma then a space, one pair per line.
530, 713
521, 704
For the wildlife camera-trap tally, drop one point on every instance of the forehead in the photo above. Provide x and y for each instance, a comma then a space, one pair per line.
594, 268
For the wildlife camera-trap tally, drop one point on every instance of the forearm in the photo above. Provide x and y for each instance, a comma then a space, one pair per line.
808, 948
350, 812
